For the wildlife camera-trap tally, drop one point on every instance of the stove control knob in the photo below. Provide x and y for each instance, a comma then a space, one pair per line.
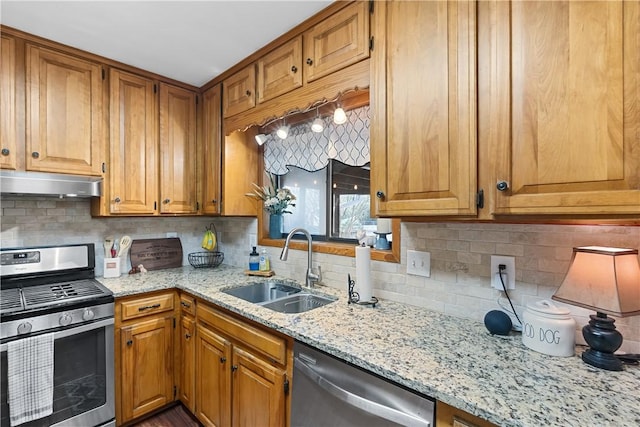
88, 314
65, 319
24, 328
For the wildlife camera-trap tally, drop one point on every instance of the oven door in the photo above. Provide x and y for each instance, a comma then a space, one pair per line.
83, 384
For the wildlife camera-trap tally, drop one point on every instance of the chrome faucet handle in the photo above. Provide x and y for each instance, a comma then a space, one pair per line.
313, 277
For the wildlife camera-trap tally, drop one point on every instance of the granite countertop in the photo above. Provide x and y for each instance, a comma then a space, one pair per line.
451, 359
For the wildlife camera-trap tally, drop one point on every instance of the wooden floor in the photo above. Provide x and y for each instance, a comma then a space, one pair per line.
173, 417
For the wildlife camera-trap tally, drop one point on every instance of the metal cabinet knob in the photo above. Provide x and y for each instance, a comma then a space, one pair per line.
5, 152
117, 200
35, 154
166, 201
248, 92
234, 368
187, 336
129, 343
223, 359
309, 61
214, 201
380, 194
294, 69
502, 185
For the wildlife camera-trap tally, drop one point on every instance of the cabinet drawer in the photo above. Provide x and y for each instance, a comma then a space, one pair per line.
187, 305
271, 346
146, 306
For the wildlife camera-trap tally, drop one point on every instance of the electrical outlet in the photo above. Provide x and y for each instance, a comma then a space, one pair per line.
419, 263
172, 234
510, 280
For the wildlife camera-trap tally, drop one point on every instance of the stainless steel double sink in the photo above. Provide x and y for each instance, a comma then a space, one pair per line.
278, 296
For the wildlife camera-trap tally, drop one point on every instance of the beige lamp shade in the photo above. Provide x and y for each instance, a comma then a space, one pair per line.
603, 279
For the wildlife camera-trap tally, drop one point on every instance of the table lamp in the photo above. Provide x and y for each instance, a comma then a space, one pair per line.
606, 280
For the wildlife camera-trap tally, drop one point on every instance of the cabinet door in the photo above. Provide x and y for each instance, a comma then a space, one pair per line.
178, 150
64, 113
258, 391
8, 105
280, 71
566, 120
133, 165
213, 378
239, 92
423, 128
188, 366
337, 42
147, 368
211, 150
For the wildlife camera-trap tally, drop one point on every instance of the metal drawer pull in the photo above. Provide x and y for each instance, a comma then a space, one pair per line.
185, 304
359, 402
146, 307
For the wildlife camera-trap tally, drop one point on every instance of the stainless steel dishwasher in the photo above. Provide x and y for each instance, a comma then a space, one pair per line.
329, 392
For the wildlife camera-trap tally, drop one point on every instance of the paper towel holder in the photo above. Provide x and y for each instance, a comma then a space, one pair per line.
354, 297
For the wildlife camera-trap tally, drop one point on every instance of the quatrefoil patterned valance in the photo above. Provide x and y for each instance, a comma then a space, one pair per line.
347, 143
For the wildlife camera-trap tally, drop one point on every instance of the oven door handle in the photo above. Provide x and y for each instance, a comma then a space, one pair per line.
74, 330
366, 405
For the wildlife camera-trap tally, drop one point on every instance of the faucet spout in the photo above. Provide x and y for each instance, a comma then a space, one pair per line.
311, 277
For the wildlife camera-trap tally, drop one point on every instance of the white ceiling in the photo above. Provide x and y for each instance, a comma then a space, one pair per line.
189, 41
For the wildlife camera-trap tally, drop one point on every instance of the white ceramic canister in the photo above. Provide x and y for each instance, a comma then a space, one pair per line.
549, 329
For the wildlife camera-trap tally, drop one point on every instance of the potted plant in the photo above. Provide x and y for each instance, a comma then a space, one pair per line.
276, 202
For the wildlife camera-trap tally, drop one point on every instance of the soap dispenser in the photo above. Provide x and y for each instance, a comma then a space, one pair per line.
254, 260
264, 261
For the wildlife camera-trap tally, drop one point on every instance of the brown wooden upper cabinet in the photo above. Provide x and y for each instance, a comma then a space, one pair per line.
340, 40
211, 150
337, 42
280, 71
64, 114
565, 118
177, 150
423, 96
239, 92
8, 103
133, 167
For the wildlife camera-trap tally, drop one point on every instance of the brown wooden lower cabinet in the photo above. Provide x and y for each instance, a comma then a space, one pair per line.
144, 359
213, 382
242, 371
448, 416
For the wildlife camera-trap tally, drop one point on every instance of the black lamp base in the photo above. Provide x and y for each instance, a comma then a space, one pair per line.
603, 340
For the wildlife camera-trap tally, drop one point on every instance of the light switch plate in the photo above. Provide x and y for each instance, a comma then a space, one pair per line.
419, 263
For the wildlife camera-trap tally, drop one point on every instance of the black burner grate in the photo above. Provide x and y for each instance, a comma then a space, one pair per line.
43, 295
11, 300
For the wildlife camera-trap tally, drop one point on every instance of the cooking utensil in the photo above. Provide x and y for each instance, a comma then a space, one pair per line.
114, 249
108, 244
125, 243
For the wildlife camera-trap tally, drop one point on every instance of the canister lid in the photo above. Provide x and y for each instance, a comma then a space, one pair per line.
548, 309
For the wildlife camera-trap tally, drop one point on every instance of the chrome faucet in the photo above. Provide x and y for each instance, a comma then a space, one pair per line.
312, 278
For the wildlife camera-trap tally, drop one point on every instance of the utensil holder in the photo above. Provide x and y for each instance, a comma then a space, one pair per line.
111, 267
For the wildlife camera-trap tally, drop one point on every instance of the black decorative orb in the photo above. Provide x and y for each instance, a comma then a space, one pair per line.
497, 322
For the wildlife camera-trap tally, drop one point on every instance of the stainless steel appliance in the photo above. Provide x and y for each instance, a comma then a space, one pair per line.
53, 290
328, 391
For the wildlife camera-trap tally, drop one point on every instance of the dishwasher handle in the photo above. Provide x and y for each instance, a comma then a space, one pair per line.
359, 402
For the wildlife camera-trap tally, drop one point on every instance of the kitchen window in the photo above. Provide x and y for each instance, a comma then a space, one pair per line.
329, 173
333, 204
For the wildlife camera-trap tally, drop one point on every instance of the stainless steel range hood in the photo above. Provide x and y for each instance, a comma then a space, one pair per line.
49, 184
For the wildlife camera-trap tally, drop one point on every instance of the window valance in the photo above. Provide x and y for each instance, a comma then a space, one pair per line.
303, 148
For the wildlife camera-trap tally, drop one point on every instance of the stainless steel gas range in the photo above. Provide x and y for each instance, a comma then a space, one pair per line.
49, 295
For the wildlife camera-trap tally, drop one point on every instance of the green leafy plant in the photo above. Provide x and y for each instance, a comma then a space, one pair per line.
276, 200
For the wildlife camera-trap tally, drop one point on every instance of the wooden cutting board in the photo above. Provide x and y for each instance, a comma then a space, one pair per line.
156, 254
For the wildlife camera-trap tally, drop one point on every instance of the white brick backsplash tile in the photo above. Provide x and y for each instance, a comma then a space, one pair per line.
460, 254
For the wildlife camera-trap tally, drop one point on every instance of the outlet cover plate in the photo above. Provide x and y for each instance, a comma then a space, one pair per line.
510, 262
419, 263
